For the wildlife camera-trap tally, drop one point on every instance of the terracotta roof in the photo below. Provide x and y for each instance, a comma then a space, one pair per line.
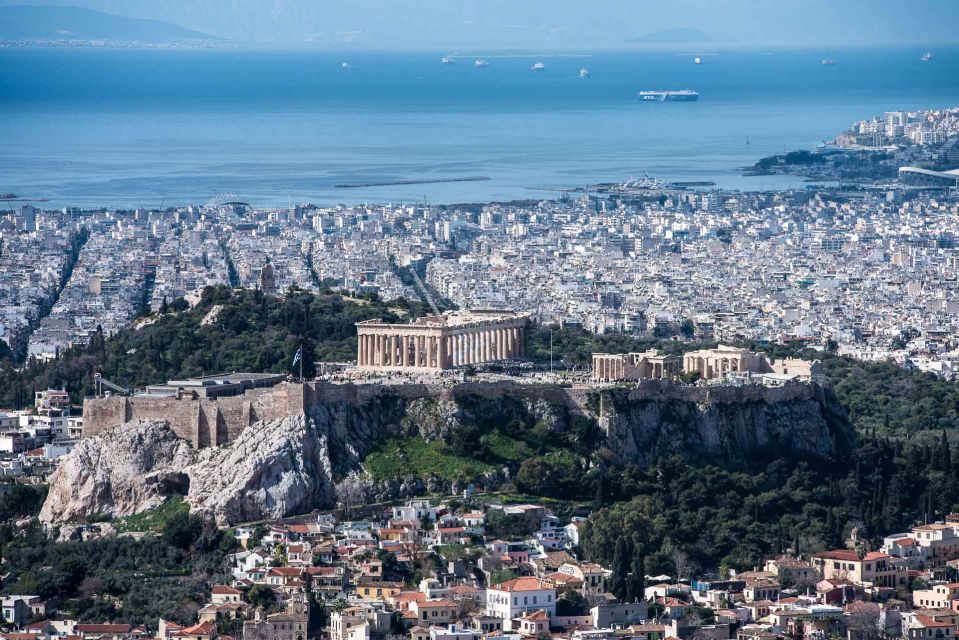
202, 629
103, 628
522, 584
224, 590
926, 621
849, 555
539, 615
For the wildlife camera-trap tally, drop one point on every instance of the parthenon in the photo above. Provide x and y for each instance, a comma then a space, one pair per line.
452, 339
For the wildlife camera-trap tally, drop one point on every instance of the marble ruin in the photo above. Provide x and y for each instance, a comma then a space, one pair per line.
452, 339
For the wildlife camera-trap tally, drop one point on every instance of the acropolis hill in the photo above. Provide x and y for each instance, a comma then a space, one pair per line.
281, 450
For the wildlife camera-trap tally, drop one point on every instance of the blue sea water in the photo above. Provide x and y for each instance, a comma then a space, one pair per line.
139, 127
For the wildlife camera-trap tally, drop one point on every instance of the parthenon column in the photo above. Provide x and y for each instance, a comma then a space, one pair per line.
501, 344
369, 352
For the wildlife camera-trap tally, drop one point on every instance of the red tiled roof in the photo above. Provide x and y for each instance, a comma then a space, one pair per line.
849, 555
103, 628
222, 590
522, 584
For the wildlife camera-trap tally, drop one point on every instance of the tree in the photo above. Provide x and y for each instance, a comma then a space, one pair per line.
572, 603
680, 561
621, 565
182, 530
350, 493
261, 595
637, 578
500, 576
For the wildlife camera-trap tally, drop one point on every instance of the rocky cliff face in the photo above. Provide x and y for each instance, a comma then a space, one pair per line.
274, 469
119, 473
640, 430
314, 460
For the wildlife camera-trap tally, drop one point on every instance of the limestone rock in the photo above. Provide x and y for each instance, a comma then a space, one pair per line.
273, 469
125, 470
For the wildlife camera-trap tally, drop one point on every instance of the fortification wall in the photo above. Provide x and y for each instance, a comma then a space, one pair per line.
212, 422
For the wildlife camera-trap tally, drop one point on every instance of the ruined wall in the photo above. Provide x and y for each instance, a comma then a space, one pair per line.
201, 421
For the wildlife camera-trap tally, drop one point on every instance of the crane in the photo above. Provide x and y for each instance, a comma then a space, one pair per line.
99, 381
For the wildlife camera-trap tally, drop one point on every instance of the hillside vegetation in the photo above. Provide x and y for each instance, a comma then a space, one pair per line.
228, 330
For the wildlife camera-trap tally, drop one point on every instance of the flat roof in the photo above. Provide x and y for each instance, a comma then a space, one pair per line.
222, 378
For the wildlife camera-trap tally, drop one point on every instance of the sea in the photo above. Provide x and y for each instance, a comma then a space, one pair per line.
151, 127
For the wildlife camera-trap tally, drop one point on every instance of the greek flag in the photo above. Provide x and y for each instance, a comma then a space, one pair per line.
297, 356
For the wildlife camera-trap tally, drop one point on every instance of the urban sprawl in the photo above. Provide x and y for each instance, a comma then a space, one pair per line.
867, 270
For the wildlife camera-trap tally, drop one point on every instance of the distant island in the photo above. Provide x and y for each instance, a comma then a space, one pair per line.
670, 36
23, 24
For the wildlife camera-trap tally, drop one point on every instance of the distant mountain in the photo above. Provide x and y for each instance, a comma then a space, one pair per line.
672, 36
28, 22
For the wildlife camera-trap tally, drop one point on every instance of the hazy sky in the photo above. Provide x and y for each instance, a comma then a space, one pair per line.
543, 24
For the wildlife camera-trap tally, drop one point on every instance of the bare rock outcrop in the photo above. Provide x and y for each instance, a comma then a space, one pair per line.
120, 472
273, 469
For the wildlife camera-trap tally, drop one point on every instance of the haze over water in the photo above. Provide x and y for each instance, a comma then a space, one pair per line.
136, 127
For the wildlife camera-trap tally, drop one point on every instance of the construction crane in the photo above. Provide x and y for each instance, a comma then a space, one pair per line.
99, 381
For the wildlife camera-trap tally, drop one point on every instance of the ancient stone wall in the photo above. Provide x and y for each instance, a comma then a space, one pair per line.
212, 422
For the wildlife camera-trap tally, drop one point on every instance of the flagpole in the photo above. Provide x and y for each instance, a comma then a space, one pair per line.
301, 362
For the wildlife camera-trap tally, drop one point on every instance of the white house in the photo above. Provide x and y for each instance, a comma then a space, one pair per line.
511, 599
415, 510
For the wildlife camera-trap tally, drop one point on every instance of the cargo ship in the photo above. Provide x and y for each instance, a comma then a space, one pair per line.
686, 95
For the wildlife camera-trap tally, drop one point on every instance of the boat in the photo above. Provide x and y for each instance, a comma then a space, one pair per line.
828, 62
481, 63
686, 95
344, 66
538, 66
448, 60
927, 56
697, 60
584, 73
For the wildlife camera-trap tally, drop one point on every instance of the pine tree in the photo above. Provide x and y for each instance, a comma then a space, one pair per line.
637, 581
621, 566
